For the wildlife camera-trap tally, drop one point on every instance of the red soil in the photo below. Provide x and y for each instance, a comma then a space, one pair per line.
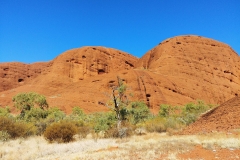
201, 153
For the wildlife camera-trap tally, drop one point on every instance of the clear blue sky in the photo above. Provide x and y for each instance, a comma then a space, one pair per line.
40, 30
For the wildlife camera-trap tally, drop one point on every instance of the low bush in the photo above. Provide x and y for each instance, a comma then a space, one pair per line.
16, 129
103, 121
127, 129
35, 114
60, 132
55, 115
5, 111
77, 111
191, 111
112, 133
138, 112
156, 124
21, 129
83, 131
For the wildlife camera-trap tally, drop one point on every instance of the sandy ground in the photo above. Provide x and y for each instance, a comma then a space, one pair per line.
152, 146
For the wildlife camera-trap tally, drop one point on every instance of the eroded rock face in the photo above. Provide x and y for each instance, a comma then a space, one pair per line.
199, 68
78, 64
15, 74
177, 71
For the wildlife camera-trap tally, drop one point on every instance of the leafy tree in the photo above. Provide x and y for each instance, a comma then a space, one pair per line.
25, 101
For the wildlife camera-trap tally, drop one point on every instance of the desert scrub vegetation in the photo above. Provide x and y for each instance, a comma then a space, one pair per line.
176, 117
61, 132
125, 118
10, 128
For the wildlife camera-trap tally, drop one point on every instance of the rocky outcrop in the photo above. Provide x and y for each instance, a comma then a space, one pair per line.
223, 118
78, 64
198, 67
16, 74
177, 71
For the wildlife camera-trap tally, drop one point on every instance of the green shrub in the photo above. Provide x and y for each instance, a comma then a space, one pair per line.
55, 114
138, 112
35, 114
5, 111
191, 111
77, 111
168, 110
103, 121
60, 132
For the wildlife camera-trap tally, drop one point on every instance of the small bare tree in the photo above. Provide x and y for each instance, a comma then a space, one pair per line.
119, 101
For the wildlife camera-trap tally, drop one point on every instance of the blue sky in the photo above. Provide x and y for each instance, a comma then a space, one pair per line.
39, 30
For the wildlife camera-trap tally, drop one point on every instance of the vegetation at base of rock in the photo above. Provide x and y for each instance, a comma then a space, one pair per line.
15, 128
26, 101
136, 118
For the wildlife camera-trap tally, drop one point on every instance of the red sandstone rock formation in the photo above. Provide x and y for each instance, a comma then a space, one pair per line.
16, 74
177, 71
199, 68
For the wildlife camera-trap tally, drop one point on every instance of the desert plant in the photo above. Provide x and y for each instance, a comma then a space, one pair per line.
55, 114
172, 122
25, 101
103, 121
20, 129
77, 111
16, 129
78, 116
119, 101
156, 124
60, 132
168, 110
138, 112
5, 123
35, 114
83, 131
191, 111
5, 111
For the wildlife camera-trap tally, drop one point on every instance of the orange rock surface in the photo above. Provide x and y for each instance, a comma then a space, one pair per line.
177, 71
